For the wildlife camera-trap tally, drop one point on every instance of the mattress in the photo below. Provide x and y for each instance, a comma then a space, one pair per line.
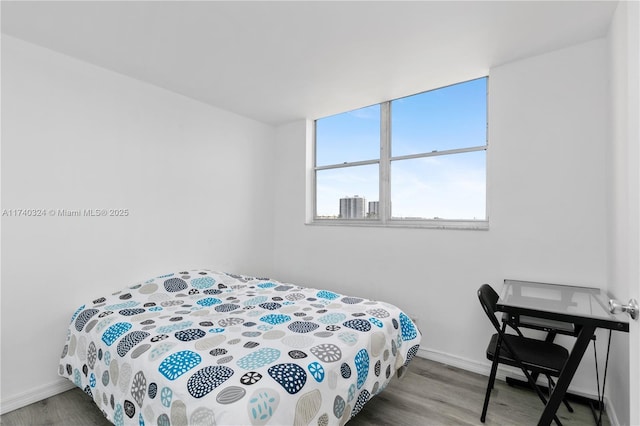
204, 348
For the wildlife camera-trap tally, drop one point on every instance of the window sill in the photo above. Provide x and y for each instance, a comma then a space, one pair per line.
472, 225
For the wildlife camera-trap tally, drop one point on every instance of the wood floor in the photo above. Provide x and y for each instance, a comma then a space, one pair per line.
430, 393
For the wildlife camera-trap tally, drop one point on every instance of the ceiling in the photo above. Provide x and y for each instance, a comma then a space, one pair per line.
281, 61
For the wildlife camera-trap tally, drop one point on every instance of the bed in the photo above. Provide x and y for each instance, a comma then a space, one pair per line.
204, 348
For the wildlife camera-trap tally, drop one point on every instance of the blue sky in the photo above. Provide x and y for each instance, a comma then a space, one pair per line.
449, 186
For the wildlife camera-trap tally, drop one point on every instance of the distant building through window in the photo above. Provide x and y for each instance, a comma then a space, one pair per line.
372, 212
352, 207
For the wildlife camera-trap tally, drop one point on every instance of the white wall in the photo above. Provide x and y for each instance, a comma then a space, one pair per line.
547, 188
624, 275
196, 180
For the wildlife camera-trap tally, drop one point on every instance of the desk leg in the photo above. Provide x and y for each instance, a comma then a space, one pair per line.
580, 346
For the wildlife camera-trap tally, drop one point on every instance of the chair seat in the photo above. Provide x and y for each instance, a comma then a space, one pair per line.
536, 355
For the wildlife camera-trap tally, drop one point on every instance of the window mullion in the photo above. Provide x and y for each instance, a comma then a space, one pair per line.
437, 153
385, 162
346, 164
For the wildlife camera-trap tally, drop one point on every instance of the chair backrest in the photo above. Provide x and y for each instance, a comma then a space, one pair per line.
488, 298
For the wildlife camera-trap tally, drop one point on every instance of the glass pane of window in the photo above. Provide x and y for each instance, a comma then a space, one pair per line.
348, 137
447, 118
347, 193
440, 187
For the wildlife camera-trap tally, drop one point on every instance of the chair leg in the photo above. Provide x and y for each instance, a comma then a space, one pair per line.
539, 392
566, 404
490, 383
552, 385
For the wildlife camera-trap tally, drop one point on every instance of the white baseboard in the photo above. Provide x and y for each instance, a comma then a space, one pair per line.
34, 395
485, 369
611, 413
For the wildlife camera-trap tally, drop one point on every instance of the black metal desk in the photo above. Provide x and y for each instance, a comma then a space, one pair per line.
577, 311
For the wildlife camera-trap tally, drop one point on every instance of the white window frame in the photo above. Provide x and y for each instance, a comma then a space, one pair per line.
384, 162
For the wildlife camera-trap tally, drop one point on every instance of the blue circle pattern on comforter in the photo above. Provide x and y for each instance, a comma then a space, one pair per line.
206, 348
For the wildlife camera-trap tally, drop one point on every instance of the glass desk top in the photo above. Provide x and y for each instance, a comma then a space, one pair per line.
572, 304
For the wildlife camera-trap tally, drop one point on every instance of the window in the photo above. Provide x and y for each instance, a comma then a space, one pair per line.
414, 161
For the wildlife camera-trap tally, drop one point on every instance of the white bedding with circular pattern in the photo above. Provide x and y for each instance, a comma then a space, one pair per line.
208, 348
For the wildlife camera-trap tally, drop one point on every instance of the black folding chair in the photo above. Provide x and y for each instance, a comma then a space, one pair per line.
532, 356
